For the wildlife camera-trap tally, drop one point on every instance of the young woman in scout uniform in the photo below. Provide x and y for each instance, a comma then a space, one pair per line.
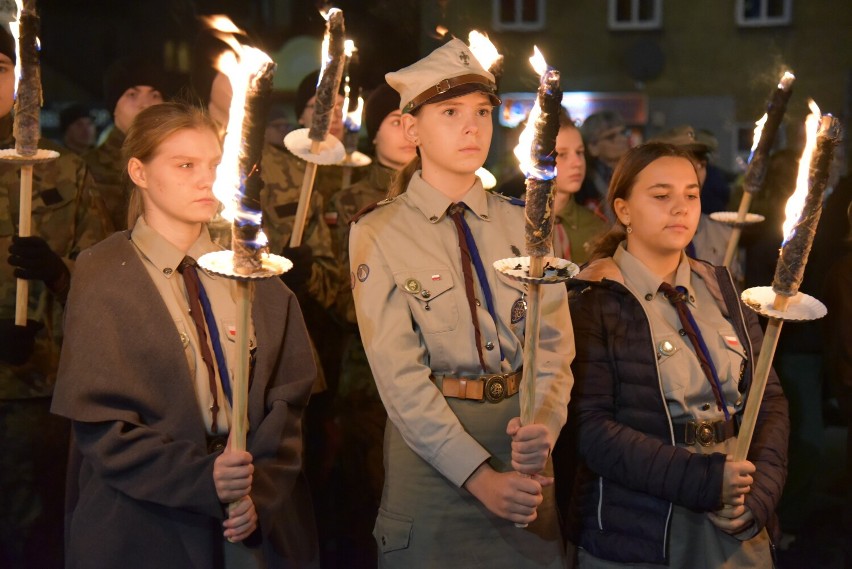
148, 399
444, 336
655, 426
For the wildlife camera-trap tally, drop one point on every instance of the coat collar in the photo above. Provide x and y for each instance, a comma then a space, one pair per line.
433, 204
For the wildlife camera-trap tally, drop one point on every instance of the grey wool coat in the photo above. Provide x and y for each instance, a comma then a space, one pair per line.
140, 486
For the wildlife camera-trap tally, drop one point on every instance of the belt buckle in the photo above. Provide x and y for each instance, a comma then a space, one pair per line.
705, 435
443, 86
495, 388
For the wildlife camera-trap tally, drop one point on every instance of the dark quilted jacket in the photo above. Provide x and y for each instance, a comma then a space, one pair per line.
618, 470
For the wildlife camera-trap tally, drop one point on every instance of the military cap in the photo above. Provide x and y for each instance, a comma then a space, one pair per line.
684, 137
448, 72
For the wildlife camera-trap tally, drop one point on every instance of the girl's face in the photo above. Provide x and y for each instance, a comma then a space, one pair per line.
453, 135
177, 183
663, 207
570, 160
392, 148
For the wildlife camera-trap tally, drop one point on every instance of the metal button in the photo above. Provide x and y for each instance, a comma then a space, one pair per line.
738, 402
682, 332
433, 219
705, 407
489, 346
476, 301
649, 296
483, 216
167, 271
425, 293
427, 307
691, 298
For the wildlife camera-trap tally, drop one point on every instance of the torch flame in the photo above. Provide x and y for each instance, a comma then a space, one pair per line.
441, 31
325, 59
482, 49
786, 80
538, 62
796, 202
353, 118
15, 28
758, 129
239, 65
524, 150
349, 48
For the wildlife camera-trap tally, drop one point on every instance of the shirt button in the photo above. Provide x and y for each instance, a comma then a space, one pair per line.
705, 407
489, 346
476, 302
425, 293
167, 271
483, 216
691, 298
649, 296
682, 332
433, 219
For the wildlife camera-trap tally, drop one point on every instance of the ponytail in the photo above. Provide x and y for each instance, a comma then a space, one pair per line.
401, 178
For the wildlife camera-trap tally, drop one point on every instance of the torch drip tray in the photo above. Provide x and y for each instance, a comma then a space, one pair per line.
556, 270
355, 160
221, 263
730, 218
42, 155
802, 307
331, 150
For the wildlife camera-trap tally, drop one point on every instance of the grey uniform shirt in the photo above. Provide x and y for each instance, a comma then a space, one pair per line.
161, 260
415, 321
687, 392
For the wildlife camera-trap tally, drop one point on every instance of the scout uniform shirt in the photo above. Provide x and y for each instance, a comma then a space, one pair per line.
414, 318
161, 259
62, 216
687, 391
575, 228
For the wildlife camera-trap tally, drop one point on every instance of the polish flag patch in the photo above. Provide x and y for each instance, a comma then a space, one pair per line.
732, 341
436, 277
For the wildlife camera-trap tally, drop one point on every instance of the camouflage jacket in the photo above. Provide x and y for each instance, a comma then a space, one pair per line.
62, 215
111, 186
282, 175
345, 204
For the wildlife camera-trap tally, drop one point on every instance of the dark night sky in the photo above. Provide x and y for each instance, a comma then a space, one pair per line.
81, 38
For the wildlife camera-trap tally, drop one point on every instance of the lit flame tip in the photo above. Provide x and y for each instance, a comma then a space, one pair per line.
349, 48
482, 48
538, 62
796, 202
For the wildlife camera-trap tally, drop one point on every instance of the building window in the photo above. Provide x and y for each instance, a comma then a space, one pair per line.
518, 15
756, 13
635, 14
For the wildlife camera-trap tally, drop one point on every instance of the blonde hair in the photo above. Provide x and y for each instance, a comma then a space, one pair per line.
149, 129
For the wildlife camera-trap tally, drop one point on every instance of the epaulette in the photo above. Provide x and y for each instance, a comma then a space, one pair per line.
510, 199
368, 208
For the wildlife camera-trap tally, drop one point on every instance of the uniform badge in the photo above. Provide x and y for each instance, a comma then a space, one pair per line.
363, 272
464, 58
519, 310
732, 342
665, 348
412, 286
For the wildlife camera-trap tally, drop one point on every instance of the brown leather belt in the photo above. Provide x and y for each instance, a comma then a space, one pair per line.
444, 86
491, 388
705, 433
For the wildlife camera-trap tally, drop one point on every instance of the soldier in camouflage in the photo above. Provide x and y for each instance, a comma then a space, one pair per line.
33, 443
359, 410
130, 86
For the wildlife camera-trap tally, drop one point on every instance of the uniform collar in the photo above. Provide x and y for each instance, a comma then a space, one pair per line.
161, 253
647, 283
433, 204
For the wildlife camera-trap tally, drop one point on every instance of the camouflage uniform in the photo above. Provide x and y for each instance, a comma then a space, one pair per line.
360, 412
282, 175
113, 187
33, 444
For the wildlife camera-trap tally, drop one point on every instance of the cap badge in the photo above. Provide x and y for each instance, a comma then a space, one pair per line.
464, 58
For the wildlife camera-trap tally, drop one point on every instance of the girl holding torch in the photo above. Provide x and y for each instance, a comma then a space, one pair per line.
149, 400
444, 334
665, 356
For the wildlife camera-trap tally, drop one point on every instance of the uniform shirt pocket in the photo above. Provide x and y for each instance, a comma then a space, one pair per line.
432, 305
732, 358
392, 531
672, 362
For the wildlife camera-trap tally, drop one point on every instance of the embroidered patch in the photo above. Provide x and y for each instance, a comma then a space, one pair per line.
436, 277
519, 310
351, 280
363, 272
464, 58
732, 341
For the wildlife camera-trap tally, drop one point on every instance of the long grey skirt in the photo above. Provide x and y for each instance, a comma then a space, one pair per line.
425, 521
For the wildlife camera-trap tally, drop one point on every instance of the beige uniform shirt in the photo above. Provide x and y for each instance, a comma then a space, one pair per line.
687, 391
414, 318
161, 259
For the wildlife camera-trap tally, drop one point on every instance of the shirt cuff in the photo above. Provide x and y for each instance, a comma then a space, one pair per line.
459, 458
